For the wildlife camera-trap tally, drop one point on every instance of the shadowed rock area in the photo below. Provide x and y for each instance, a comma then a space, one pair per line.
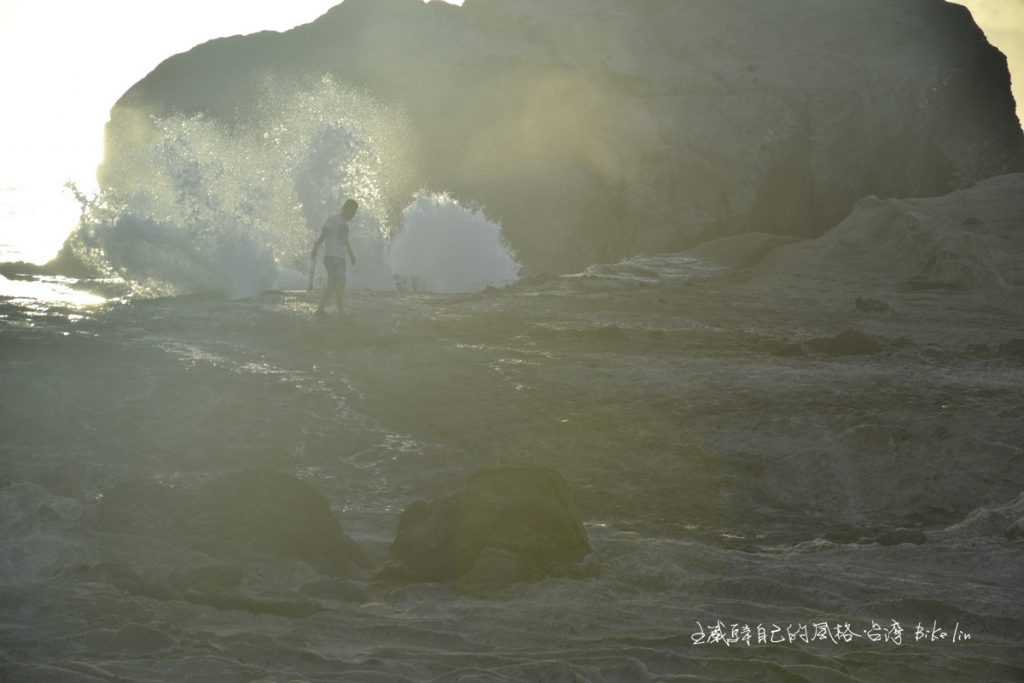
505, 524
595, 130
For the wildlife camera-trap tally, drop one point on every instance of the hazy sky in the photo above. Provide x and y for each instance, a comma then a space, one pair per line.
62, 65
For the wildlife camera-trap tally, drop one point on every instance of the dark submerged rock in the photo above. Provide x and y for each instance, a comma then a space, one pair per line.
504, 525
1013, 349
253, 513
208, 578
130, 581
847, 343
136, 639
341, 590
900, 536
296, 608
974, 350
867, 305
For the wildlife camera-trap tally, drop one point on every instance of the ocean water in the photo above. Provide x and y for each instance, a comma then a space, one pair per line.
727, 481
718, 483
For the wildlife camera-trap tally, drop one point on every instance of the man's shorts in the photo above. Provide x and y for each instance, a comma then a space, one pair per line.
335, 268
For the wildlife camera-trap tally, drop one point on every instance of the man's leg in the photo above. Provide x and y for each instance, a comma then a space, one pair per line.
326, 296
339, 285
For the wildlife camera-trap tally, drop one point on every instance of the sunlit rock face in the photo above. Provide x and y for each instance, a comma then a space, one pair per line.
596, 129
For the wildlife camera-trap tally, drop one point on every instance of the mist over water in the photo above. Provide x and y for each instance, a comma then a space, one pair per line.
201, 206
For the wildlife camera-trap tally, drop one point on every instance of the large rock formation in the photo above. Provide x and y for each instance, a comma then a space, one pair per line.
593, 129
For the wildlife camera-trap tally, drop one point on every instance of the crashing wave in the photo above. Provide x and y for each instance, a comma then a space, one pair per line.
201, 206
444, 247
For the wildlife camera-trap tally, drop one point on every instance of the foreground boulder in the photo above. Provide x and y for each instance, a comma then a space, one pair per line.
504, 525
238, 516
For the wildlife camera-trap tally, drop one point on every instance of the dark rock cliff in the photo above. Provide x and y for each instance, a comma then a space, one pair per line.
596, 129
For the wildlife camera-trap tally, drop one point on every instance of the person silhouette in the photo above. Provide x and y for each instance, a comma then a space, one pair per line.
334, 237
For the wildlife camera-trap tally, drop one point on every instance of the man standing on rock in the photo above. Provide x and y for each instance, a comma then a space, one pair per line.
334, 237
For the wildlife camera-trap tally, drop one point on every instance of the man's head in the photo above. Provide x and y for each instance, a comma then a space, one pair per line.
348, 210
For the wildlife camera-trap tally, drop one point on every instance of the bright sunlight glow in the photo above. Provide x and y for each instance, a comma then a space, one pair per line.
63, 66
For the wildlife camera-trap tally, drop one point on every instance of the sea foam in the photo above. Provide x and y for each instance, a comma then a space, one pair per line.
445, 247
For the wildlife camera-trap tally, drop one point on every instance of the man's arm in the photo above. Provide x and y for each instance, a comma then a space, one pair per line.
316, 248
320, 240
